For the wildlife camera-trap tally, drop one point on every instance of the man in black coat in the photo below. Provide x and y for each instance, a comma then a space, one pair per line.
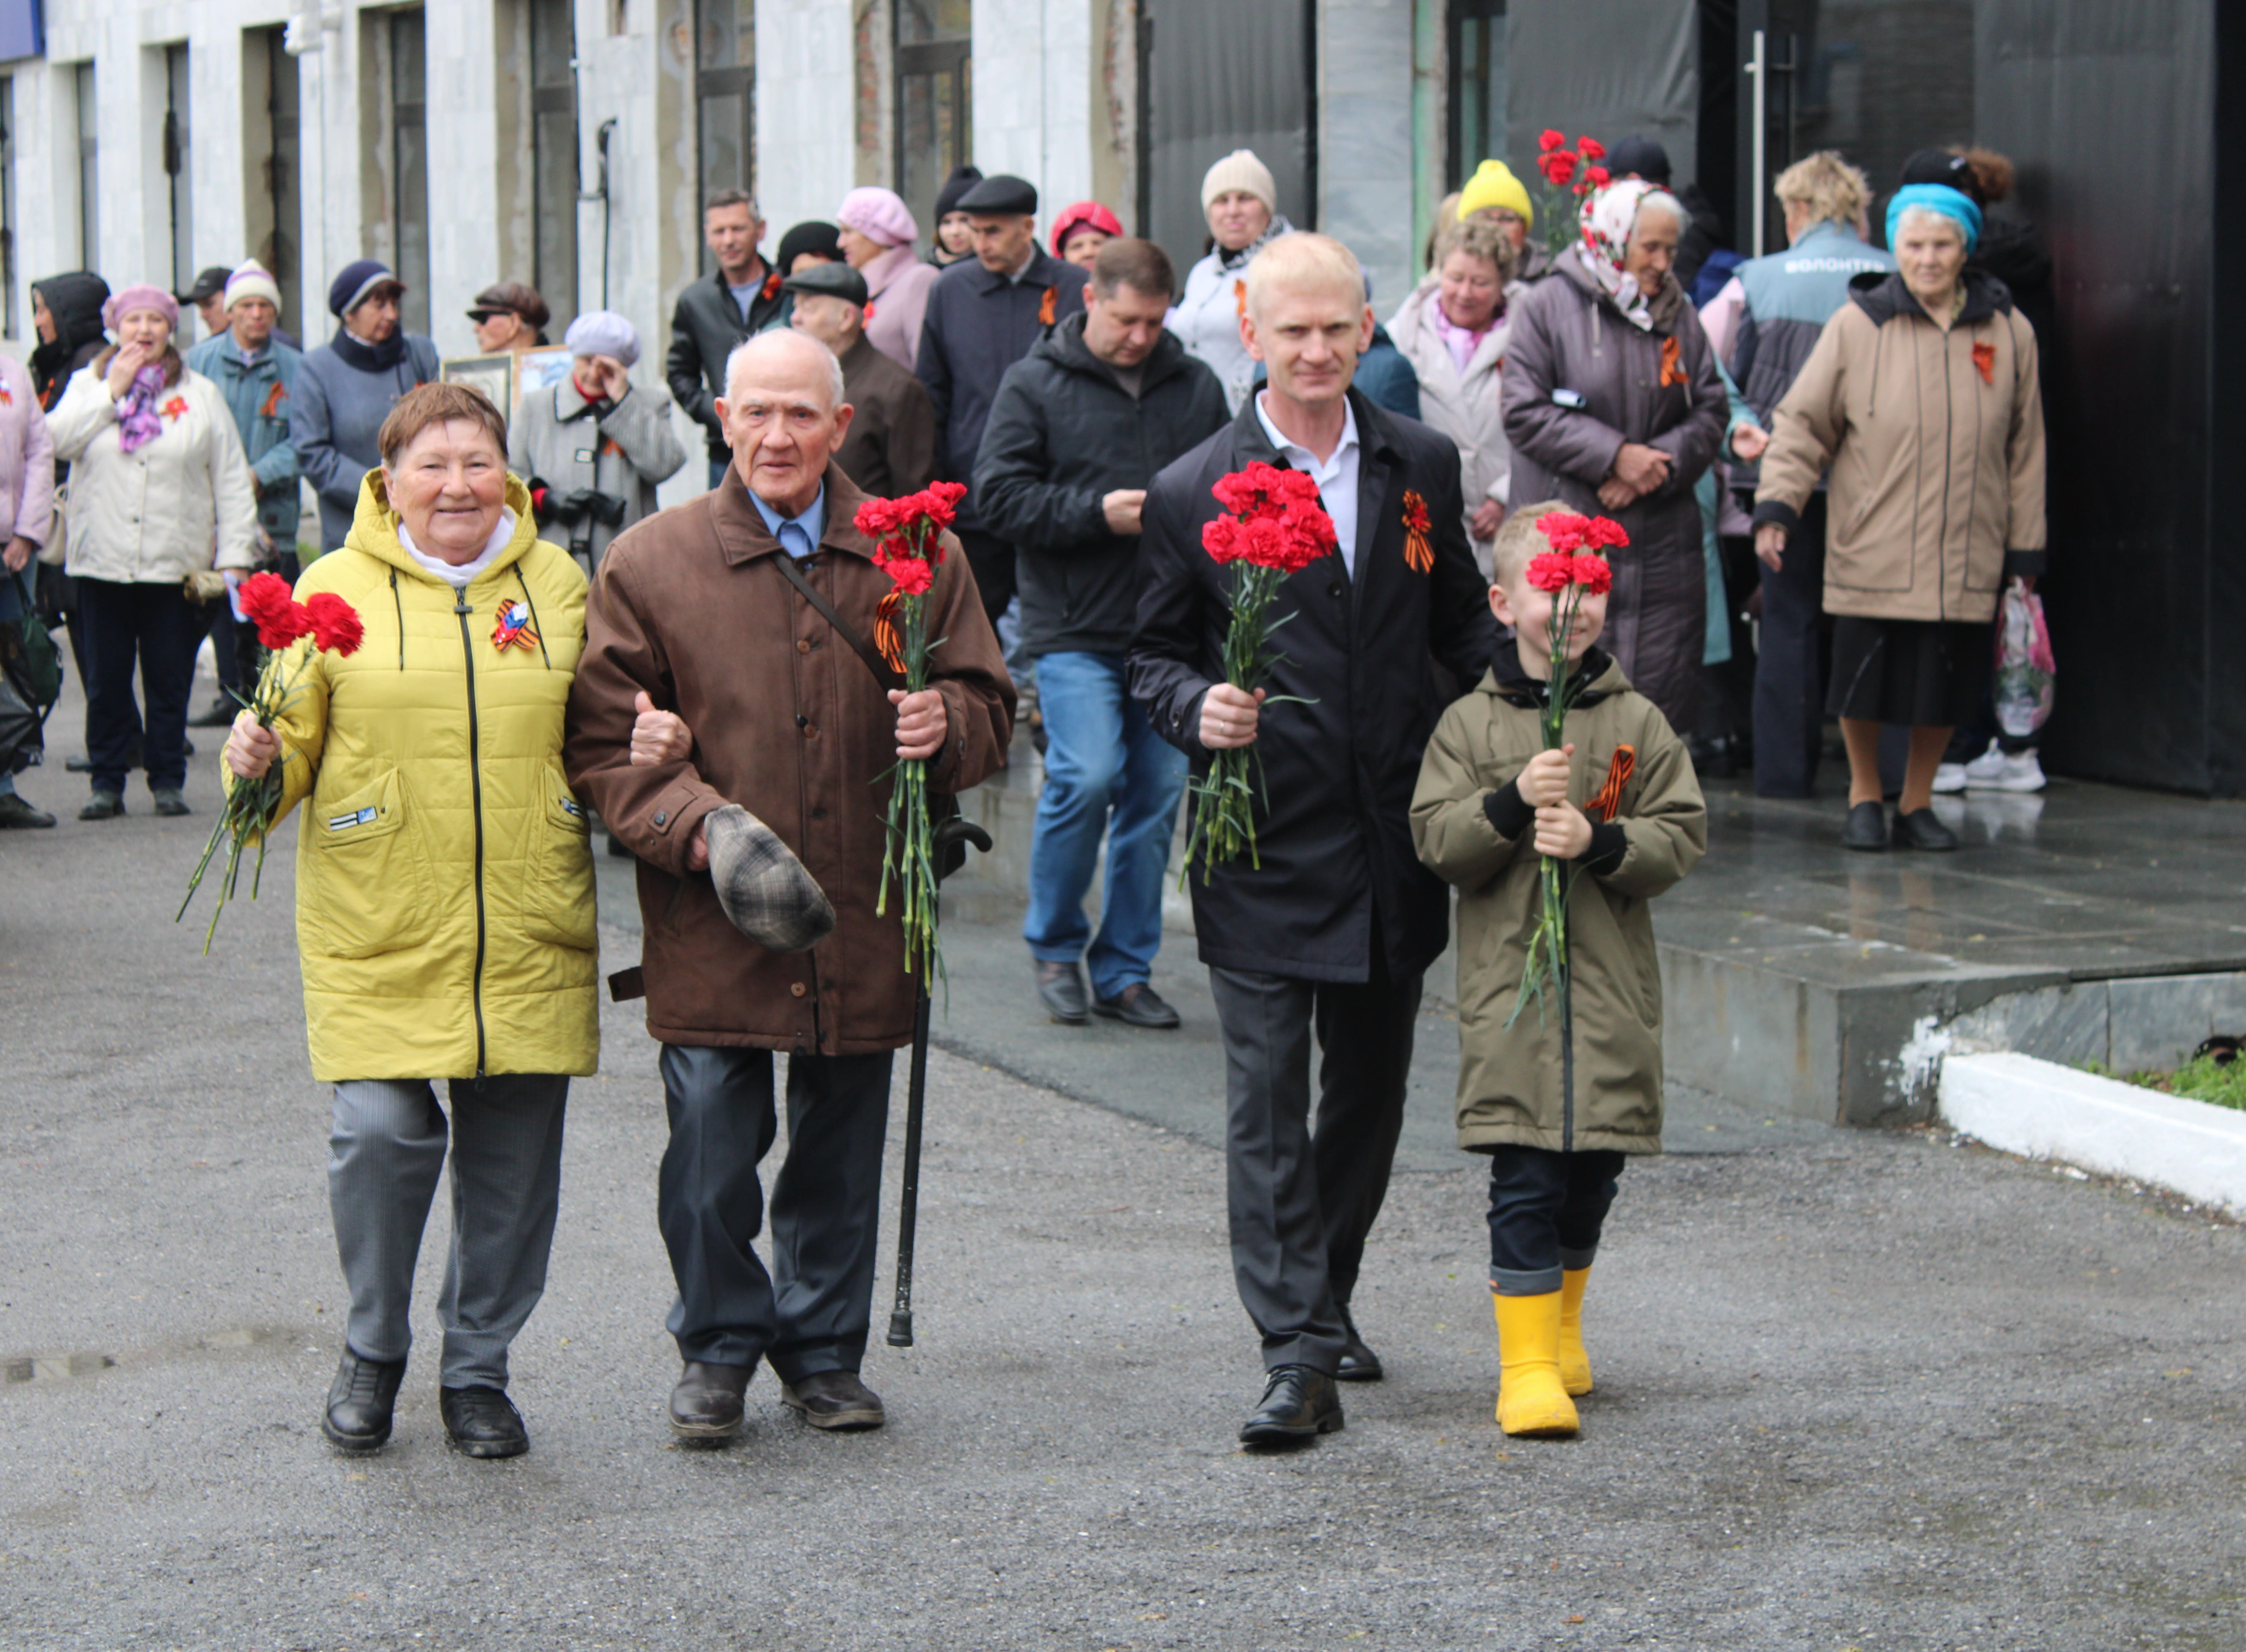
1334, 931
982, 318
742, 296
890, 448
1079, 427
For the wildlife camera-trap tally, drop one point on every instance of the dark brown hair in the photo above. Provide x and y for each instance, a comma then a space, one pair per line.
427, 405
1993, 173
1139, 265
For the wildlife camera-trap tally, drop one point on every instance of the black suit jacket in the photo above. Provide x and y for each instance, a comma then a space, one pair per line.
705, 327
1334, 834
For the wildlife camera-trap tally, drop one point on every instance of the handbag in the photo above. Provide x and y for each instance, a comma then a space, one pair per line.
943, 806
56, 551
27, 651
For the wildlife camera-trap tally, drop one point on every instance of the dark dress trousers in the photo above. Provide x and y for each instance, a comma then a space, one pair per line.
1329, 938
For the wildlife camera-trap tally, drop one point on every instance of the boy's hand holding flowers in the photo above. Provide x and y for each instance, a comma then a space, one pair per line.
1563, 831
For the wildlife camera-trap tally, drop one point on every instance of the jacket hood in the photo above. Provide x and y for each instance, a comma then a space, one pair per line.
1510, 682
1883, 297
1662, 306
1064, 347
75, 301
374, 529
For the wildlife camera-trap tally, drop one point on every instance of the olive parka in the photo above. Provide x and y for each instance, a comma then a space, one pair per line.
444, 878
1472, 828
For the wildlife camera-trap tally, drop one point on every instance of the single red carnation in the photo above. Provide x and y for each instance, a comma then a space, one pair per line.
1554, 571
1594, 573
944, 497
1590, 149
1563, 530
876, 517
1604, 532
911, 574
269, 604
1559, 167
1598, 177
1549, 139
335, 626
1220, 537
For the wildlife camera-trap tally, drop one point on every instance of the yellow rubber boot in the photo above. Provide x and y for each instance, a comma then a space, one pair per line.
1530, 1399
1575, 1364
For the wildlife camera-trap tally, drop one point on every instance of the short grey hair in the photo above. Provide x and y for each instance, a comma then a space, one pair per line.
786, 338
1911, 215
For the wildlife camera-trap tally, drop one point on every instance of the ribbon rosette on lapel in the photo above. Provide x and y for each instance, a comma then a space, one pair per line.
1273, 528
1672, 363
907, 535
1984, 357
1573, 568
176, 409
515, 629
328, 625
1418, 549
1607, 802
272, 400
1048, 306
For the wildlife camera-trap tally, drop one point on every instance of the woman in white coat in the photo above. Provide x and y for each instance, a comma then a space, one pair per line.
1241, 203
159, 491
1452, 329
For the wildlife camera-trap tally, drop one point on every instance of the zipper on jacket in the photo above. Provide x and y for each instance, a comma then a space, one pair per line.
397, 604
476, 798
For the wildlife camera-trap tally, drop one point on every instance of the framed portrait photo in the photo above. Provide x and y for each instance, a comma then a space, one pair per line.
494, 375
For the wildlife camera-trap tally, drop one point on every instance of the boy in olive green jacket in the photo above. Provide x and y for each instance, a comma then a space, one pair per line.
1619, 806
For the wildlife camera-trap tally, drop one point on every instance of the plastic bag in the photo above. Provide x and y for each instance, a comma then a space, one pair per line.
2025, 669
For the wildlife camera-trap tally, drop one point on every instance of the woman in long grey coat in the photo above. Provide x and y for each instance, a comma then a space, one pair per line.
593, 447
1613, 407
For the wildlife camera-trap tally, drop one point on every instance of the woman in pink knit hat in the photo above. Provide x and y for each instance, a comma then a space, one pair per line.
878, 232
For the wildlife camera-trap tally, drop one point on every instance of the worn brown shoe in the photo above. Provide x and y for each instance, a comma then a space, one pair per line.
834, 1400
705, 1407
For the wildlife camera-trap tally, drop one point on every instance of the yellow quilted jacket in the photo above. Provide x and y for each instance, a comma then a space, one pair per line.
444, 876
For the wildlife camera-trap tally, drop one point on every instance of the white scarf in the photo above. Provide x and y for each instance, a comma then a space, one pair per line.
1610, 219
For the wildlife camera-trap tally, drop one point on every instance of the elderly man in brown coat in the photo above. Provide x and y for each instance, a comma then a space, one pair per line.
694, 614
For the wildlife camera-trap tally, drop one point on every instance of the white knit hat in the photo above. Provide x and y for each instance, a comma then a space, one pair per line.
252, 279
1240, 170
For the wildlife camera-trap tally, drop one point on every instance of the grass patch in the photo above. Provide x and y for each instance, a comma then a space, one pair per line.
2200, 1080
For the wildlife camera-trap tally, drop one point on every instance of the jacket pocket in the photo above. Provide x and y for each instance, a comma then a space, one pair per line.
558, 906
369, 892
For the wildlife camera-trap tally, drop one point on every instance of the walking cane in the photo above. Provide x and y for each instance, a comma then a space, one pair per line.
955, 830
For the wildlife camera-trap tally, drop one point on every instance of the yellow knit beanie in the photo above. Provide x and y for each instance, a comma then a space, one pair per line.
1494, 185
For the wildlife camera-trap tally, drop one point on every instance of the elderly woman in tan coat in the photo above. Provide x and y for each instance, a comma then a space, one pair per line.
1922, 398
1452, 329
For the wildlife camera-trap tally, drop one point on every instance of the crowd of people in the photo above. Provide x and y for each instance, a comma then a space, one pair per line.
545, 652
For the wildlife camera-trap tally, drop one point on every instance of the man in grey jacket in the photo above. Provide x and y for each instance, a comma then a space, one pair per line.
1080, 428
346, 388
593, 447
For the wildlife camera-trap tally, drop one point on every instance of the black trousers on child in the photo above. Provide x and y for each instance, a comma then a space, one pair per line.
1546, 1211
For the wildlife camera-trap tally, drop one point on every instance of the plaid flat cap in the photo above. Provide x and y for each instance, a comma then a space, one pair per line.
762, 887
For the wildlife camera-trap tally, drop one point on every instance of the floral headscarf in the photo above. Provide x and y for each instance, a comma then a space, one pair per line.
1610, 219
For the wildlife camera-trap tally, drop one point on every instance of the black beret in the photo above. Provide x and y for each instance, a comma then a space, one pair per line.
834, 281
999, 195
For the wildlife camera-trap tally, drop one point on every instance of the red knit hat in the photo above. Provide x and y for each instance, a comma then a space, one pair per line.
1084, 214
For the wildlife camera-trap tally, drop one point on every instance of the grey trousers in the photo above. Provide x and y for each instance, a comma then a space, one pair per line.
384, 1154
1302, 1200
811, 1312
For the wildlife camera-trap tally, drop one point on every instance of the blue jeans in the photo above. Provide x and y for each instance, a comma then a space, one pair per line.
718, 471
1101, 757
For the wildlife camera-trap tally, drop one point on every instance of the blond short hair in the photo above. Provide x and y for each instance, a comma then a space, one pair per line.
1518, 542
1301, 259
1829, 187
1478, 237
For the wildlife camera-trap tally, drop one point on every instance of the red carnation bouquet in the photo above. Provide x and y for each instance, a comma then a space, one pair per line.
909, 546
334, 628
1575, 565
1273, 526
1569, 174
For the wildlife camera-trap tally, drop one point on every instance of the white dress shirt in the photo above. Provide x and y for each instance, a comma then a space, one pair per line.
1335, 477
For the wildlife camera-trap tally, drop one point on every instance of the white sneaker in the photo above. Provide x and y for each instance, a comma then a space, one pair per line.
1951, 776
1997, 769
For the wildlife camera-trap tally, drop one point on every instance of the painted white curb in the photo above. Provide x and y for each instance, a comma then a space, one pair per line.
2041, 1110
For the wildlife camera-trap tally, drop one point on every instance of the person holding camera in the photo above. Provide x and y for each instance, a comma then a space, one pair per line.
593, 447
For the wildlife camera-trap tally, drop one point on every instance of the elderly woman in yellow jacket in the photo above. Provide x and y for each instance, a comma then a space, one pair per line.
444, 904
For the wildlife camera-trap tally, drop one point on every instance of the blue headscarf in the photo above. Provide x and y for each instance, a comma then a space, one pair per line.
1950, 203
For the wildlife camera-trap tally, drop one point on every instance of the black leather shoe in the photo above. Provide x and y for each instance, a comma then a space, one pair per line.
1358, 1362
481, 1421
834, 1400
705, 1407
1299, 1404
360, 1401
219, 714
1866, 828
1922, 829
1061, 986
17, 815
102, 805
1137, 1005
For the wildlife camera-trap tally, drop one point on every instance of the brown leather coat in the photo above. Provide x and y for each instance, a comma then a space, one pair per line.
789, 724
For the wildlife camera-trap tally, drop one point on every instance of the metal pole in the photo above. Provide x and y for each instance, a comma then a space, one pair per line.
900, 1325
1759, 67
